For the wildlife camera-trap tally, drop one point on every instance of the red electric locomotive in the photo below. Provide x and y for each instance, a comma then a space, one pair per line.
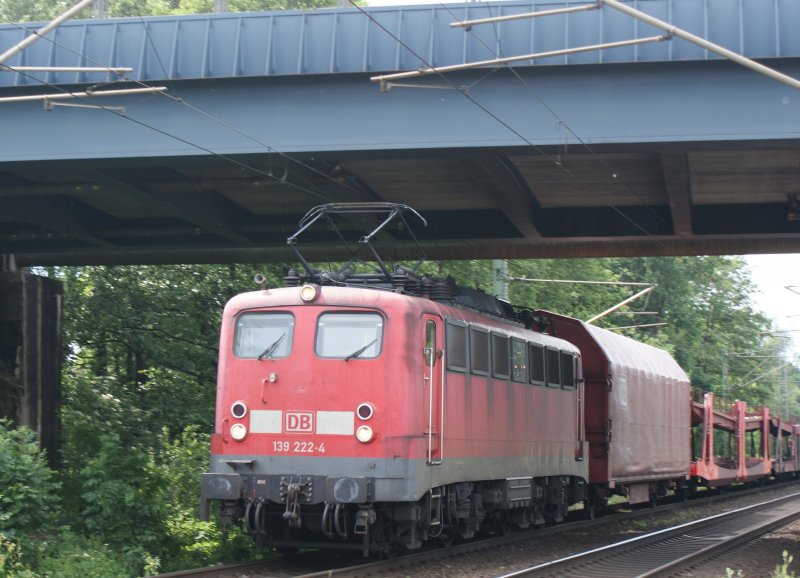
380, 410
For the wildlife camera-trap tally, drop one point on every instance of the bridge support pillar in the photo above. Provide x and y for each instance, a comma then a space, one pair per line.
30, 355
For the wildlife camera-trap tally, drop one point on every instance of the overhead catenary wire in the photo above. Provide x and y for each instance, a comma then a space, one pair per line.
642, 326
581, 282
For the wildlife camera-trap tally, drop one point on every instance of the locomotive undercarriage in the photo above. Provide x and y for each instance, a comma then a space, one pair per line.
446, 513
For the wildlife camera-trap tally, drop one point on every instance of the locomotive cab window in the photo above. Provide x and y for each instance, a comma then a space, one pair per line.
349, 335
263, 335
567, 370
537, 364
552, 367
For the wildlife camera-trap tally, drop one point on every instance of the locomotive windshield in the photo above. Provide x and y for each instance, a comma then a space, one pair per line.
349, 335
263, 335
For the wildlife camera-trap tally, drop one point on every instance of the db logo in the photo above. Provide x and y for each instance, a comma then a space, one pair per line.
298, 422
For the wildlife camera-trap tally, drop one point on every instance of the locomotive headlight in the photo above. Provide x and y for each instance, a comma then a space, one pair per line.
238, 431
365, 411
238, 409
364, 434
308, 293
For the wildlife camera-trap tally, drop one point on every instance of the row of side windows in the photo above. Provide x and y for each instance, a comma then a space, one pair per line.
483, 352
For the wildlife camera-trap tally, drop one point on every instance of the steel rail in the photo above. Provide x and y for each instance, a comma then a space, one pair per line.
237, 569
412, 559
664, 551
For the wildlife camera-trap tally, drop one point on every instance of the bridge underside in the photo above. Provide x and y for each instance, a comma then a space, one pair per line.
632, 200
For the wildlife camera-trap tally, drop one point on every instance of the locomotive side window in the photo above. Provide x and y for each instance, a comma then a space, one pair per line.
567, 370
519, 360
260, 335
552, 367
537, 364
349, 335
456, 340
479, 350
500, 356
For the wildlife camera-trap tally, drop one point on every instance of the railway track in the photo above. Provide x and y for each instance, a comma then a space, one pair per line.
666, 552
324, 564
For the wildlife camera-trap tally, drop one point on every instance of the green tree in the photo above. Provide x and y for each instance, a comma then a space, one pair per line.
705, 302
29, 498
36, 10
30, 10
149, 335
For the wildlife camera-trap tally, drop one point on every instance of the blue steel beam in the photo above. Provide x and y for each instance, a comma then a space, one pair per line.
349, 40
298, 81
687, 102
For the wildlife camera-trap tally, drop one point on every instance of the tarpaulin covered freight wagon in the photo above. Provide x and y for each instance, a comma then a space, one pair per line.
636, 411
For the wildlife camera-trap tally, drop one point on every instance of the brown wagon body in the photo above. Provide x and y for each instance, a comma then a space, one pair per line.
637, 424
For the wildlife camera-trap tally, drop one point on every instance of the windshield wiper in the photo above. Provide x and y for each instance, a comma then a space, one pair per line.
268, 351
359, 351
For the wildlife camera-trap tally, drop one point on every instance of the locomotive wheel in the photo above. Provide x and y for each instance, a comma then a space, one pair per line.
501, 527
392, 551
446, 539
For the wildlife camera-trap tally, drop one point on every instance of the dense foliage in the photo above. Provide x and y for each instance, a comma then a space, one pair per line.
37, 10
138, 395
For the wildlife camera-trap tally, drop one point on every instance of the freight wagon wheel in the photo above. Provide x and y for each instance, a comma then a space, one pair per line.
653, 500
